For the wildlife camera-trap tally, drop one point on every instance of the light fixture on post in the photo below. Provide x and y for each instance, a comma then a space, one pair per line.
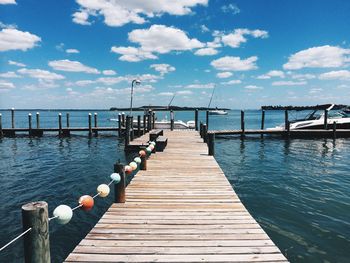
137, 82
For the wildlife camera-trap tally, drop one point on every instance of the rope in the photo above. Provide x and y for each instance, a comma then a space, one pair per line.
13, 240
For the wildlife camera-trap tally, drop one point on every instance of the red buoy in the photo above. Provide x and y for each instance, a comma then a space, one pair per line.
128, 169
86, 202
142, 153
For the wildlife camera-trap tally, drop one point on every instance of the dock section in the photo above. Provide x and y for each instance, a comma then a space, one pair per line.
182, 209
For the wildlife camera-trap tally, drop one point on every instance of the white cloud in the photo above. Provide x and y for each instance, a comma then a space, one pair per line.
109, 72
72, 66
208, 51
9, 74
5, 85
13, 39
156, 40
232, 82
110, 80
121, 12
339, 74
184, 92
40, 74
272, 73
229, 63
168, 94
315, 90
236, 38
163, 68
82, 83
14, 63
230, 8
200, 86
7, 2
253, 87
302, 76
289, 83
318, 57
42, 84
204, 28
223, 75
72, 51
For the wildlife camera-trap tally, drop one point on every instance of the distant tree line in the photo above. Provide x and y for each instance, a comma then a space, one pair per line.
161, 108
290, 107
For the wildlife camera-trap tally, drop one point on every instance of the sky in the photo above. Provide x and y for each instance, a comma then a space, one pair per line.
85, 53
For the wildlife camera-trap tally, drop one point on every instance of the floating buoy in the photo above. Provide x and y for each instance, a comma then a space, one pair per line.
63, 214
128, 169
103, 190
148, 150
87, 202
133, 165
142, 153
153, 143
115, 177
137, 160
151, 146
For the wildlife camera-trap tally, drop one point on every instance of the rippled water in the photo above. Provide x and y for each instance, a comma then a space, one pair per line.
298, 190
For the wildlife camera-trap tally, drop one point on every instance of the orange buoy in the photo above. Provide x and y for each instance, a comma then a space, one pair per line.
86, 202
128, 169
142, 153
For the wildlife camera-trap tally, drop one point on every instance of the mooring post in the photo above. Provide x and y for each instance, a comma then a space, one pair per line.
123, 119
207, 119
36, 241
127, 131
59, 124
119, 124
211, 143
201, 129
285, 119
66, 132
205, 133
172, 120
1, 132
144, 123
196, 119
138, 125
288, 129
326, 119
153, 119
38, 120
67, 120
132, 128
242, 123
262, 119
95, 124
119, 188
90, 127
13, 118
30, 124
143, 164
149, 120
334, 130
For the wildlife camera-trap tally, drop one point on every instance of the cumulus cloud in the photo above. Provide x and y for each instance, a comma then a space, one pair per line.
223, 75
200, 86
253, 88
9, 74
109, 72
238, 36
339, 75
302, 76
6, 85
163, 68
229, 63
72, 66
14, 63
13, 39
272, 73
120, 12
168, 94
289, 83
208, 51
184, 92
204, 28
155, 40
110, 80
42, 84
232, 82
72, 51
231, 8
40, 74
7, 2
318, 57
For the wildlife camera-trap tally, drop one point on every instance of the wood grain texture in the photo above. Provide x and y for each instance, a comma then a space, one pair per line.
181, 209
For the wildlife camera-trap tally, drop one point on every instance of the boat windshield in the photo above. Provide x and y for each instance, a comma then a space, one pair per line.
314, 115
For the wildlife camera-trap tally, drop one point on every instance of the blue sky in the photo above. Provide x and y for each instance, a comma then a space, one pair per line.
85, 53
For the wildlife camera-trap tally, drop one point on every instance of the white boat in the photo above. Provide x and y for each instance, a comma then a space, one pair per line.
216, 111
316, 120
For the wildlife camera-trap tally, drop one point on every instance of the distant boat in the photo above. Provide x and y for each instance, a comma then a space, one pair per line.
216, 111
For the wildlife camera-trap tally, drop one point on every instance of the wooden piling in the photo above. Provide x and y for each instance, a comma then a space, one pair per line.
59, 124
211, 144
144, 123
325, 120
67, 120
123, 119
242, 123
143, 164
138, 125
132, 128
286, 119
201, 129
334, 130
119, 188
127, 131
13, 118
288, 129
66, 132
262, 122
1, 132
30, 124
172, 124
119, 125
153, 120
95, 124
196, 119
90, 126
207, 119
38, 120
36, 241
149, 120
205, 133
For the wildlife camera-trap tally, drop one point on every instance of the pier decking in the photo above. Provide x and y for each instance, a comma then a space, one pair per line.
182, 209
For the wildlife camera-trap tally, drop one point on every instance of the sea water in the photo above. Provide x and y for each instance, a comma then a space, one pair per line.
298, 189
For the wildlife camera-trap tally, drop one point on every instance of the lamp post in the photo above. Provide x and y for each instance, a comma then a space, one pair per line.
137, 82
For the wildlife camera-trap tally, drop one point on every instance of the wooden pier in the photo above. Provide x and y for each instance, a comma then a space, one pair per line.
181, 209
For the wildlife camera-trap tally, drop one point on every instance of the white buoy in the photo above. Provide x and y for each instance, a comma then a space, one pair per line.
103, 190
115, 177
133, 165
137, 160
63, 213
